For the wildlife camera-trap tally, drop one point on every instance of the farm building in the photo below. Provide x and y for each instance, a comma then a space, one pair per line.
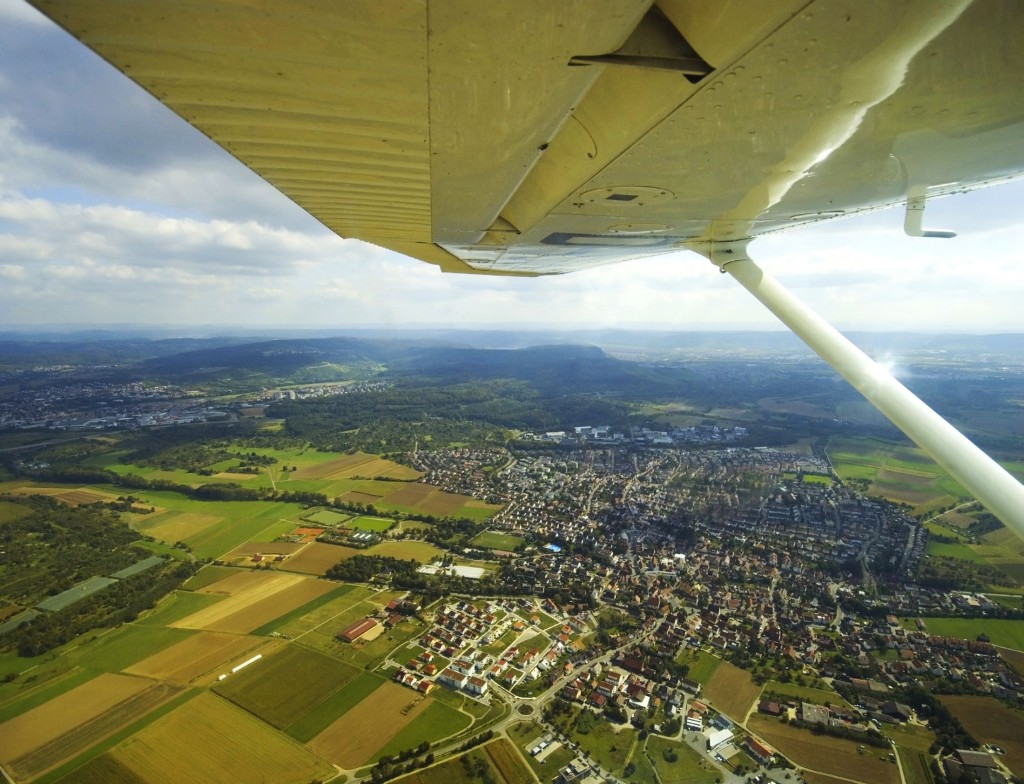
356, 630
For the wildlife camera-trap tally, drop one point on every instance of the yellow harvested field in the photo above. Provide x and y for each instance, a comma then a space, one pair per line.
269, 599
317, 558
211, 741
830, 756
57, 730
191, 658
732, 691
361, 498
179, 526
235, 477
338, 468
382, 467
273, 596
355, 737
77, 496
239, 582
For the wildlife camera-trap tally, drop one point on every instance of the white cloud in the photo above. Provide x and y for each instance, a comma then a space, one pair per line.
111, 209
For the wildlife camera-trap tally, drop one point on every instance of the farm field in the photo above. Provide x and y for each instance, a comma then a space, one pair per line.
732, 691
507, 762
266, 596
177, 526
55, 731
284, 686
326, 465
207, 575
122, 647
829, 755
900, 472
1003, 632
177, 605
353, 739
336, 614
316, 558
437, 721
237, 522
195, 656
328, 711
991, 722
210, 740
451, 771
74, 496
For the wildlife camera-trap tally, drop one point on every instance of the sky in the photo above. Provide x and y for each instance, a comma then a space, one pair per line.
114, 211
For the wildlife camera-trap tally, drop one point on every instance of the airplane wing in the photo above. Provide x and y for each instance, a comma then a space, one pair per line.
545, 136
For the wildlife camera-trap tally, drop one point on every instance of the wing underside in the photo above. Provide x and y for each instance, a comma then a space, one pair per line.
539, 137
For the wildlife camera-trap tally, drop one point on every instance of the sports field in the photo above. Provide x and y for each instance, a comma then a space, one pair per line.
492, 540
375, 524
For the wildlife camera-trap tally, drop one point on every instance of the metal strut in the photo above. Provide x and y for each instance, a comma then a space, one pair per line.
989, 482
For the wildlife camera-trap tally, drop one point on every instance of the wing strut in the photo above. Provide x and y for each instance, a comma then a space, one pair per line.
977, 472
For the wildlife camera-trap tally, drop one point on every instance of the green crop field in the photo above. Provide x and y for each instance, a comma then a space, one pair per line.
176, 606
206, 576
299, 612
686, 767
1002, 632
127, 645
702, 664
336, 705
804, 693
953, 550
286, 685
437, 722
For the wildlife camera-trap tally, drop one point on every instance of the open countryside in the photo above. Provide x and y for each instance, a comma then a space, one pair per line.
664, 602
